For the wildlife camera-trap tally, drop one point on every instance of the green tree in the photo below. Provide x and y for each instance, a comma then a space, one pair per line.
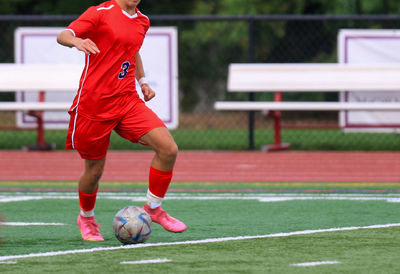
206, 48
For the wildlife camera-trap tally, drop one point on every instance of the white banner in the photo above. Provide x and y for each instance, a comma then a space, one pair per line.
38, 45
369, 47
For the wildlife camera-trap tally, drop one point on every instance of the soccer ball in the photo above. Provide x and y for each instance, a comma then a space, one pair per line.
132, 225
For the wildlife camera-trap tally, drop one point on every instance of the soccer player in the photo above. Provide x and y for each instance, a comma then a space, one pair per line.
111, 35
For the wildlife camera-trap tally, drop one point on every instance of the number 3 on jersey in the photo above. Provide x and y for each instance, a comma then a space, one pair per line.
124, 72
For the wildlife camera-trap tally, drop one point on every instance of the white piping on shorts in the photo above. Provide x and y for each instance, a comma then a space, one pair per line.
77, 103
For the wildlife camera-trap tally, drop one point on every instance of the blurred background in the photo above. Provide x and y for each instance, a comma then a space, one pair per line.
211, 35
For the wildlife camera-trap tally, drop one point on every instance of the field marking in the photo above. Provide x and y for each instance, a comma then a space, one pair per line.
108, 184
8, 262
28, 224
139, 197
154, 261
316, 263
205, 241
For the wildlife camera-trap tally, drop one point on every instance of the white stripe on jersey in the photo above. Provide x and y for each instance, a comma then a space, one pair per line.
106, 8
77, 103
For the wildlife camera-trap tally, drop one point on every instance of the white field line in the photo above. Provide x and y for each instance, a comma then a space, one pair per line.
316, 263
391, 198
154, 261
205, 241
28, 224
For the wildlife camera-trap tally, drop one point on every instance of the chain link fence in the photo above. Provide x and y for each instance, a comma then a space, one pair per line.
206, 46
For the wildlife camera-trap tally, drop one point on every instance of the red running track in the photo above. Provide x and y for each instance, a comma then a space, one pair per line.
210, 166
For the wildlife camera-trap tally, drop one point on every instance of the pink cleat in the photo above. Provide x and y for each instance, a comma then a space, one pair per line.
89, 229
159, 216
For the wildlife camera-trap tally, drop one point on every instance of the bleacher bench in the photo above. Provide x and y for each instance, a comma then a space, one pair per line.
309, 78
38, 78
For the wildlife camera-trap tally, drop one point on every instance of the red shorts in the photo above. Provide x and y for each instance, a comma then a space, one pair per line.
92, 138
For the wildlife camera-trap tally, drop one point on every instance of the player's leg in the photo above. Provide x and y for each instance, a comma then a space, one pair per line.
160, 176
161, 169
91, 139
89, 180
164, 146
87, 188
142, 125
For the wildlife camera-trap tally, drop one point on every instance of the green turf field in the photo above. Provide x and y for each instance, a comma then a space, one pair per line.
277, 228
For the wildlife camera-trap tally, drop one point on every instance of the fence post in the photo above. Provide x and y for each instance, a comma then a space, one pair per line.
251, 94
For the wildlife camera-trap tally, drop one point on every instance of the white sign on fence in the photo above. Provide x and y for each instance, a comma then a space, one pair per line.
369, 47
37, 45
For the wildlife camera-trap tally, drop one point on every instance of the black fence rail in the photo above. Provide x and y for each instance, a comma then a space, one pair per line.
206, 46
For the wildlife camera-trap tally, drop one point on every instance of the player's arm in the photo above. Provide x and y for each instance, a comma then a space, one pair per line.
147, 91
68, 39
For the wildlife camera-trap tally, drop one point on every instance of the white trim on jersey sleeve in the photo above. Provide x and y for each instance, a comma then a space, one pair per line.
106, 8
71, 30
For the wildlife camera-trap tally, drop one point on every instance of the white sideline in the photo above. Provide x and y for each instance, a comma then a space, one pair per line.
316, 263
212, 240
154, 261
28, 224
393, 198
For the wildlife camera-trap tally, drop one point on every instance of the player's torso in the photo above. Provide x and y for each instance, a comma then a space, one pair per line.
118, 38
121, 32
109, 86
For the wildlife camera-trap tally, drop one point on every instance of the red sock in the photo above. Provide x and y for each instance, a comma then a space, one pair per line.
87, 201
159, 181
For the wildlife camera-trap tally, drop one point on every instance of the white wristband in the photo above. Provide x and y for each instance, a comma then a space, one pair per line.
142, 81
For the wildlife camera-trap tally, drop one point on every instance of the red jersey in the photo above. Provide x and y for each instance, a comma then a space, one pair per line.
107, 87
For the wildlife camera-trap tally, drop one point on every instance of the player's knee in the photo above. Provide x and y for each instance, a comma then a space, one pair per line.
96, 173
169, 152
94, 170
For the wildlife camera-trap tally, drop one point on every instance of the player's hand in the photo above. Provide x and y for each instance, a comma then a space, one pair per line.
87, 46
148, 92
